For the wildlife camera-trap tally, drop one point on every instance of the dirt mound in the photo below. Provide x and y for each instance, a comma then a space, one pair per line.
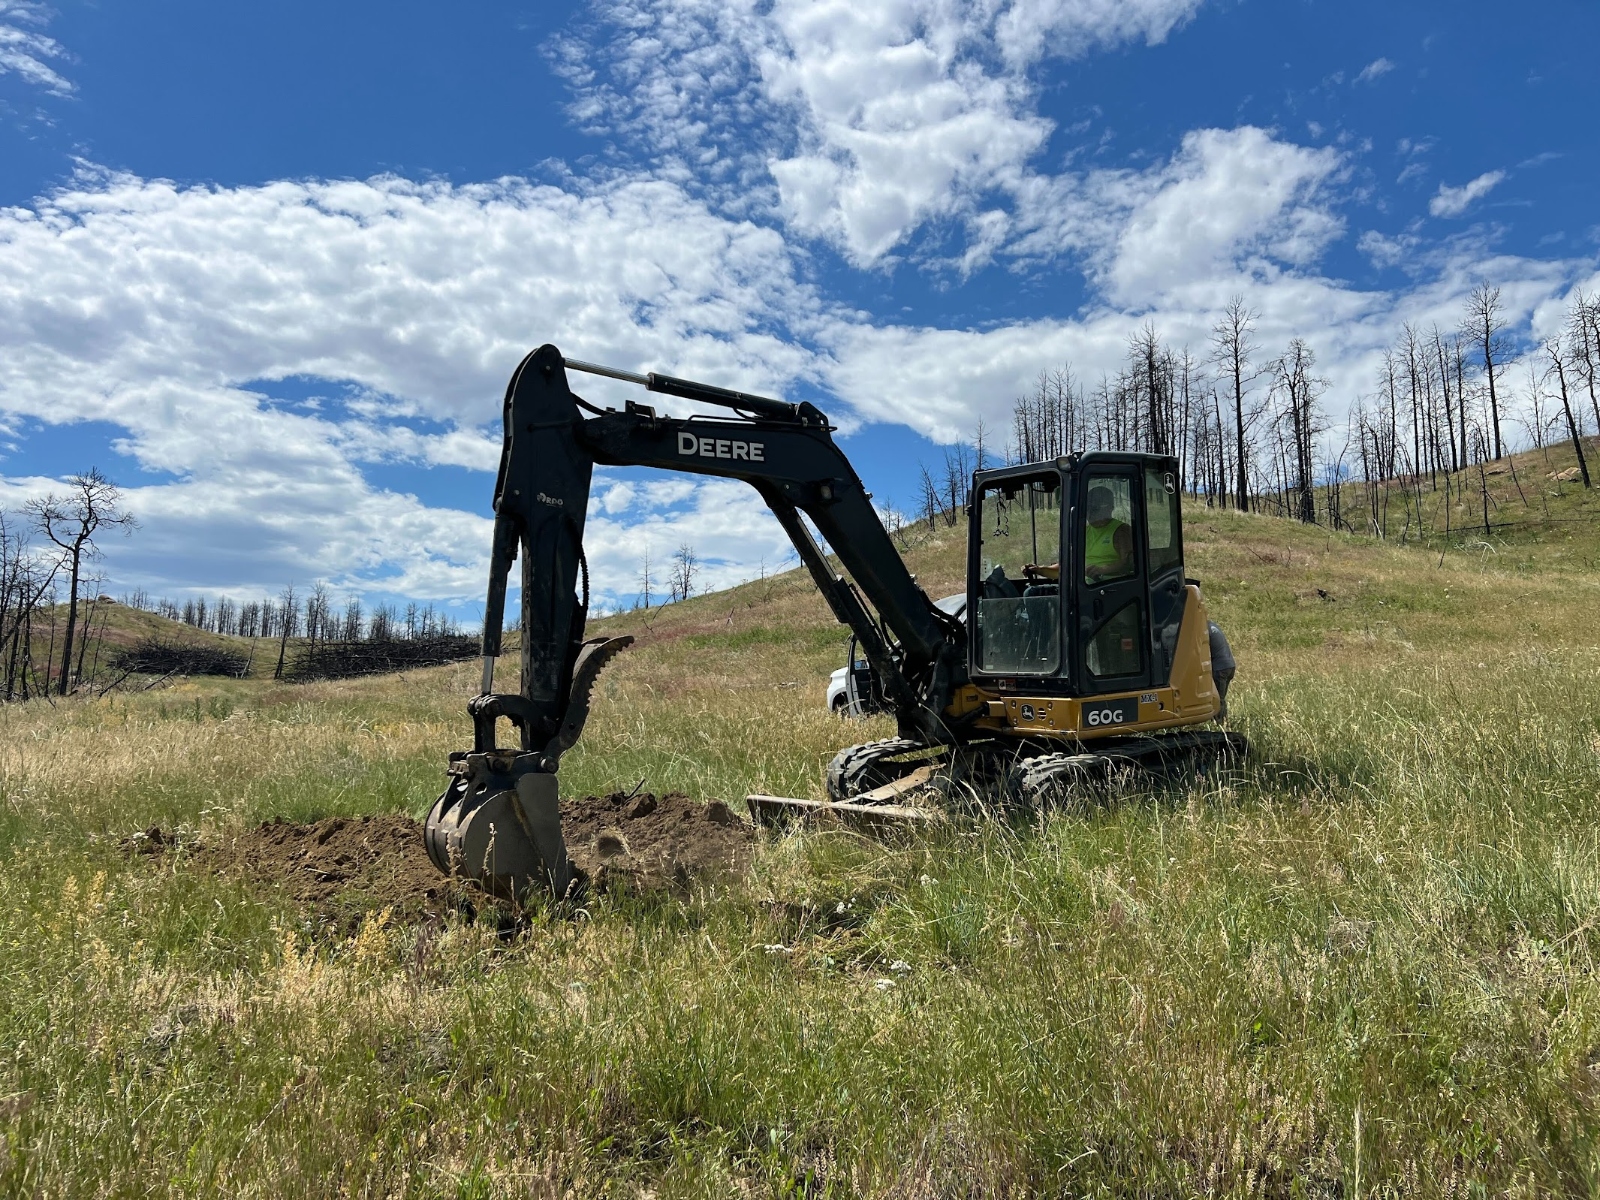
649, 841
339, 869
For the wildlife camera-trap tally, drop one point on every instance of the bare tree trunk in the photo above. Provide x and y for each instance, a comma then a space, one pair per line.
1449, 414
1231, 350
88, 628
287, 619
1553, 348
1487, 327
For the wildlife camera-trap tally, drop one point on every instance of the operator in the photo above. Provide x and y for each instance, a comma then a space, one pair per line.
1107, 544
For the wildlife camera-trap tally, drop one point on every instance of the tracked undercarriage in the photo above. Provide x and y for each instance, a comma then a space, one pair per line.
896, 780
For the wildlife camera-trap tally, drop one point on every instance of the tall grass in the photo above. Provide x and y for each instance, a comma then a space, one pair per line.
1364, 962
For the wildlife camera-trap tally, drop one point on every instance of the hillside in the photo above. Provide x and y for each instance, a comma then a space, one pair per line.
106, 629
1366, 962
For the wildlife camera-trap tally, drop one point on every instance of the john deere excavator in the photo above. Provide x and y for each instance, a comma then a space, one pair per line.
1083, 650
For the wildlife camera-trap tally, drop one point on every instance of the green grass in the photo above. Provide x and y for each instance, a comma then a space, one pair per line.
1365, 964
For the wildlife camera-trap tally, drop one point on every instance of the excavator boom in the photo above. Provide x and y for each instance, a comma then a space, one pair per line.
499, 819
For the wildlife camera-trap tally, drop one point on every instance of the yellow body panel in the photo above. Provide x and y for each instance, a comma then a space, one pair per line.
1189, 697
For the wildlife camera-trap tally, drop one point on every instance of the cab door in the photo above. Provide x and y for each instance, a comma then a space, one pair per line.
1163, 563
1112, 642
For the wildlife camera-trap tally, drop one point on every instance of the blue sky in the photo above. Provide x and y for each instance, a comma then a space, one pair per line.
269, 267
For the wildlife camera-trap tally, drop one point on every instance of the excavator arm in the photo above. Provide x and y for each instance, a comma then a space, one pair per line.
499, 821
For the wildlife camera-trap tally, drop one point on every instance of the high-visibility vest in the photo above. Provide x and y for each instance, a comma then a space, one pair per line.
1100, 544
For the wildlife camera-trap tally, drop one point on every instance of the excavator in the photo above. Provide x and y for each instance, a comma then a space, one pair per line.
1084, 650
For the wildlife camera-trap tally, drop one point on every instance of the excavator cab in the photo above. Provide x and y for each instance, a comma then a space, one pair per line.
1082, 624
1076, 573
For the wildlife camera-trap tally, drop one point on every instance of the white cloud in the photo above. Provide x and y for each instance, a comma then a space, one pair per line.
1028, 29
895, 127
1375, 70
1384, 251
872, 119
26, 52
167, 311
1453, 201
1227, 195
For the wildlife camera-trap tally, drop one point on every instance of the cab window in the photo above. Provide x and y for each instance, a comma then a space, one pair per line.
1108, 530
1018, 619
1162, 520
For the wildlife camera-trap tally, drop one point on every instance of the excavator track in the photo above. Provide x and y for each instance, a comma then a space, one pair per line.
859, 769
1045, 781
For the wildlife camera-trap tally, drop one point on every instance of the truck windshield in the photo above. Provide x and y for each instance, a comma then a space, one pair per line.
1018, 625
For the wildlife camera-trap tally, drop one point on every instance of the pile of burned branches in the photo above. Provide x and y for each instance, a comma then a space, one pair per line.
346, 659
153, 656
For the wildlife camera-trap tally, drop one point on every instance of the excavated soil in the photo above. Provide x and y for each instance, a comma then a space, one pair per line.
648, 841
340, 868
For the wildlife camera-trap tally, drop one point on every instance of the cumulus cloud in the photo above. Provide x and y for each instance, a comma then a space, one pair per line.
1453, 201
168, 312
1227, 195
26, 52
859, 123
902, 115
895, 126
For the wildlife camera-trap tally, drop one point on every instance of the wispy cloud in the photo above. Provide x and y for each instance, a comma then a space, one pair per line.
1453, 201
26, 52
1375, 70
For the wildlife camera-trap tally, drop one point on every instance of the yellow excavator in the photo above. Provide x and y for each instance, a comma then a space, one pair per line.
1084, 649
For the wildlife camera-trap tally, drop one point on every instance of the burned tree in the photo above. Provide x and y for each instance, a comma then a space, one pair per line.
1231, 347
1558, 367
1298, 390
1485, 327
71, 522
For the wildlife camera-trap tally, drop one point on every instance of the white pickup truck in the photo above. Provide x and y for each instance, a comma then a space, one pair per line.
840, 698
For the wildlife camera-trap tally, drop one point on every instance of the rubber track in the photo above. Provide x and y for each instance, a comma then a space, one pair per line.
850, 772
1057, 780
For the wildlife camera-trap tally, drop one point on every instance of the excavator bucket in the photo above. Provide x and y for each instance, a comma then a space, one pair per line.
499, 820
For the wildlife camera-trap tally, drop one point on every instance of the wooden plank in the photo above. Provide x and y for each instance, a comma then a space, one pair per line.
770, 809
896, 788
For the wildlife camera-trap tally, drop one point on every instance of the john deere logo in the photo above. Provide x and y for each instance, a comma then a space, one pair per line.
700, 447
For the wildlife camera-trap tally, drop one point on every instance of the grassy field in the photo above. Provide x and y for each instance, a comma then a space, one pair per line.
1364, 966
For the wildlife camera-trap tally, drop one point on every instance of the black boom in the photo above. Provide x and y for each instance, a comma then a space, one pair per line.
786, 452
